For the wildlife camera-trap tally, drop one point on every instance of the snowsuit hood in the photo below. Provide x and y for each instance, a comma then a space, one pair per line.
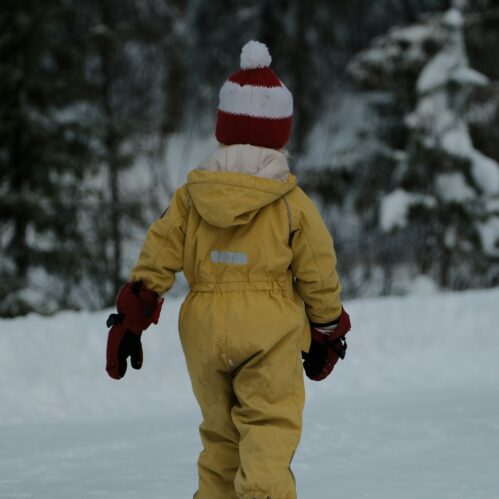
231, 186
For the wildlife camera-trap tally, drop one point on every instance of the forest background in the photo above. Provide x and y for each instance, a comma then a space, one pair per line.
105, 105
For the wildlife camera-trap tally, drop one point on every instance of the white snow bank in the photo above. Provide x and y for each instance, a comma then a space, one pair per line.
423, 286
411, 413
54, 368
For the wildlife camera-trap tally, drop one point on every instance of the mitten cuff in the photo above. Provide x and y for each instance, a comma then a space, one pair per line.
138, 306
326, 333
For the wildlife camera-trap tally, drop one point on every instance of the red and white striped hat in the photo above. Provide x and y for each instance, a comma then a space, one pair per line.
255, 107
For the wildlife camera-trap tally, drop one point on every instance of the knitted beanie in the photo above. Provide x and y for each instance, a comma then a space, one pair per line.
255, 107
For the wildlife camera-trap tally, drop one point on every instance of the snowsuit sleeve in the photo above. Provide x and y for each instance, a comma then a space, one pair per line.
314, 260
162, 254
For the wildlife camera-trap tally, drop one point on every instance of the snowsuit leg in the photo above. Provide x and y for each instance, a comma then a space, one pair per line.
247, 376
270, 394
219, 461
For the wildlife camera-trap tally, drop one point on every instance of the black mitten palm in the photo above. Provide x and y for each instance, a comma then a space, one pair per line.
322, 357
327, 347
122, 343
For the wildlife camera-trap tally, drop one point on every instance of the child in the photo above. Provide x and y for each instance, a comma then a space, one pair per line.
261, 268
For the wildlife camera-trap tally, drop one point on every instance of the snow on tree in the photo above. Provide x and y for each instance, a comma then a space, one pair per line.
460, 178
439, 196
79, 85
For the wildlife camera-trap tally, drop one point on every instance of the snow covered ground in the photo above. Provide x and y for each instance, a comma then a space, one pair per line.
412, 413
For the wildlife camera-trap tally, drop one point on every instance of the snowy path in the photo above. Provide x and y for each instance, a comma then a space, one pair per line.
413, 413
411, 447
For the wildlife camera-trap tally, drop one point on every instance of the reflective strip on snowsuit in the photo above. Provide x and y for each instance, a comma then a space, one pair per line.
260, 264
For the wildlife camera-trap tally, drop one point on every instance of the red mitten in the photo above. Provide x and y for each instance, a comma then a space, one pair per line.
327, 347
138, 307
121, 344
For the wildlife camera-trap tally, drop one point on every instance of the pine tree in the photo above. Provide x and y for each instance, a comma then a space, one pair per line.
43, 157
122, 52
445, 165
434, 203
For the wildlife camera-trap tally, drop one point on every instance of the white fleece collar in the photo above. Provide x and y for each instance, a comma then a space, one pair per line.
252, 160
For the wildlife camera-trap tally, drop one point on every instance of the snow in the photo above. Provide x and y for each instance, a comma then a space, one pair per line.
402, 49
452, 187
469, 77
182, 153
437, 72
489, 235
393, 209
453, 19
395, 206
418, 33
334, 139
456, 138
447, 67
439, 115
485, 172
493, 205
451, 63
411, 413
422, 286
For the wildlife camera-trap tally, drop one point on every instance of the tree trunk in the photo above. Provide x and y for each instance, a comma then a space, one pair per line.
112, 160
303, 16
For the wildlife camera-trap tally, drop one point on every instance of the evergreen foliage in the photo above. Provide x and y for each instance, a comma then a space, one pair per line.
92, 92
423, 194
44, 156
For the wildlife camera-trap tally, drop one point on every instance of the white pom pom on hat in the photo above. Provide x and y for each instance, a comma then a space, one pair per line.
255, 55
255, 107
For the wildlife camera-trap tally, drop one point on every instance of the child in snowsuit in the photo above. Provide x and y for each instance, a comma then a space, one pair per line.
261, 268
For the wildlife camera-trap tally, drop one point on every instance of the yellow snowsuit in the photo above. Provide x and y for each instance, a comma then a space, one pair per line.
260, 264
